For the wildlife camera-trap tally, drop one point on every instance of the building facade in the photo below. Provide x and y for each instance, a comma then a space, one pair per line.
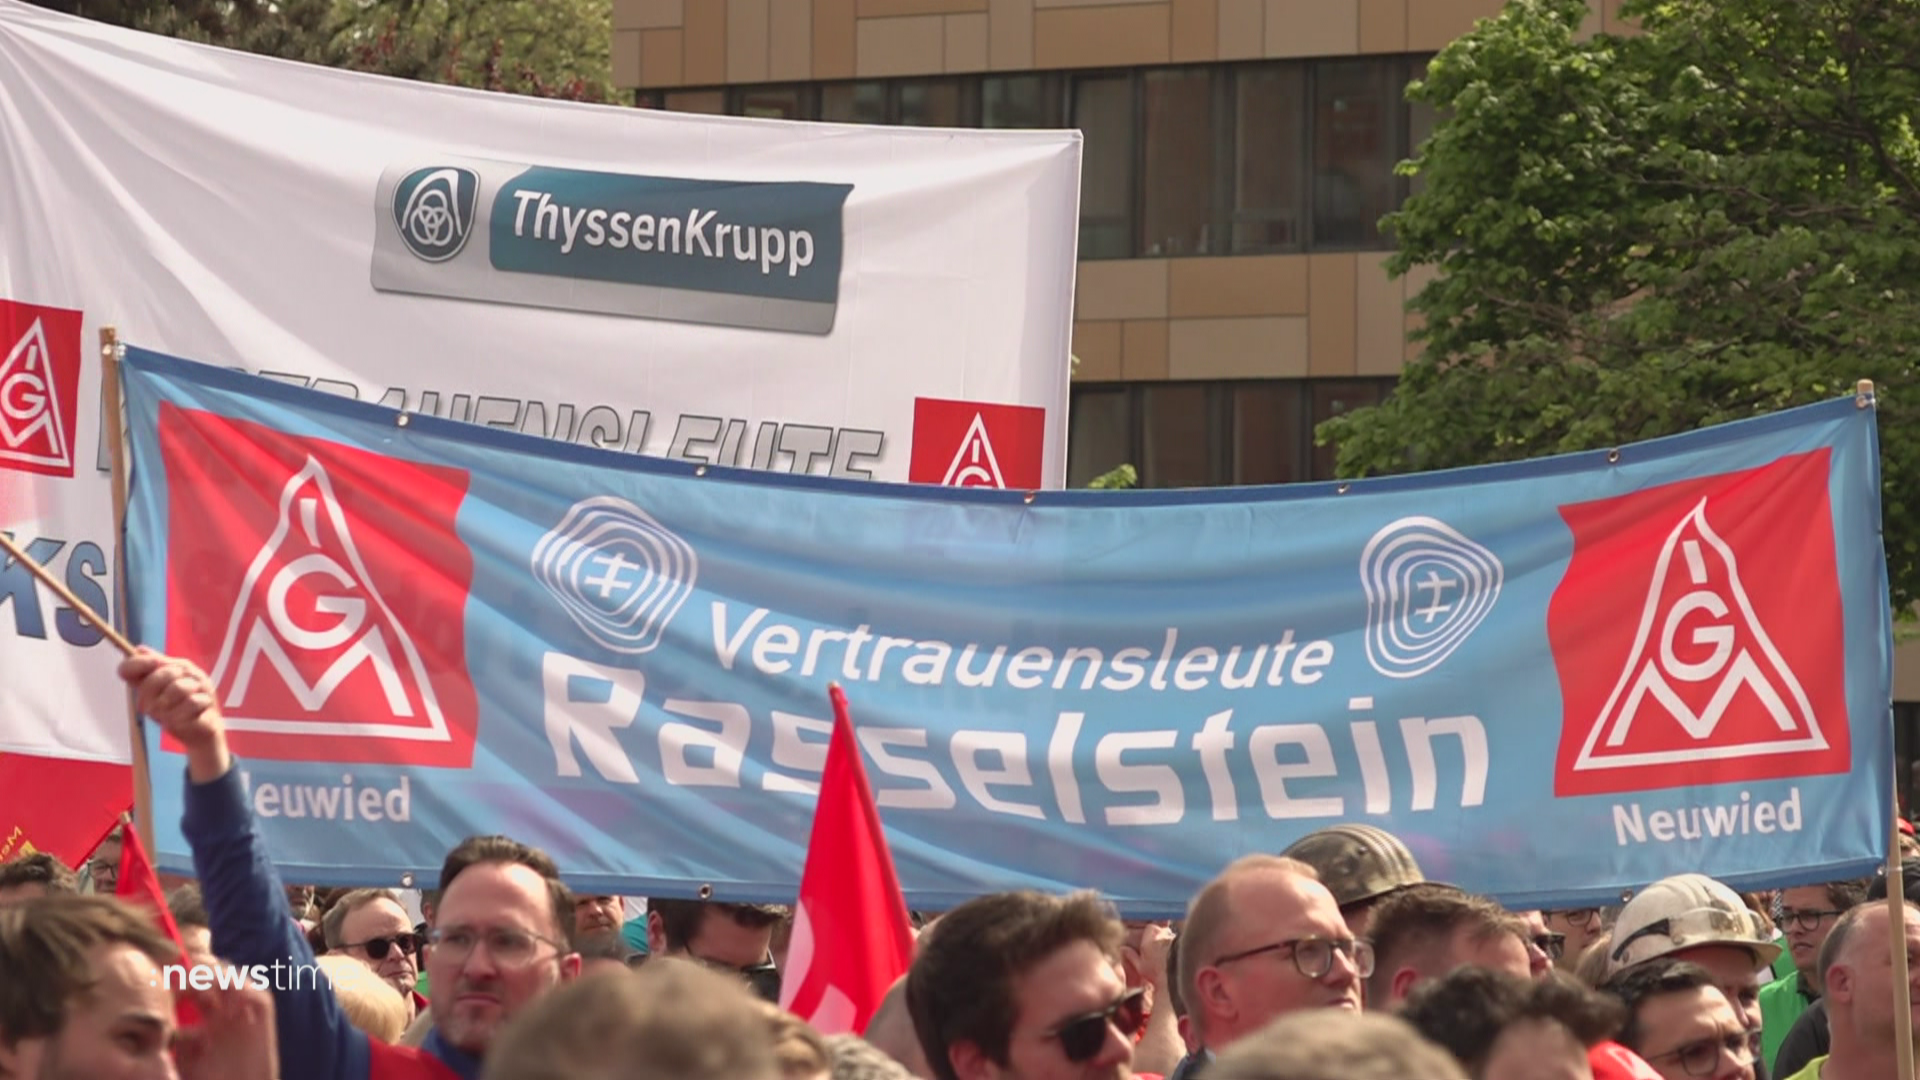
1239, 156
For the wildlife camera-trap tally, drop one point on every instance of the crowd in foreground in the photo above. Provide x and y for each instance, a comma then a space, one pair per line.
1333, 960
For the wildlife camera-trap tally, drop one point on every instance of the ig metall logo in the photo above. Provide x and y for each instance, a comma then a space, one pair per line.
434, 210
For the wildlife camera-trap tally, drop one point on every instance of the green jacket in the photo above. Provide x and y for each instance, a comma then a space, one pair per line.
1781, 1003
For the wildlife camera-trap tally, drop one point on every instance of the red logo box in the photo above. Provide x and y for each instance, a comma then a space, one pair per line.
1699, 635
324, 588
976, 444
39, 387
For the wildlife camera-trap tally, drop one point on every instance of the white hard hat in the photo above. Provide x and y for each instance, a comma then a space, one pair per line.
1686, 911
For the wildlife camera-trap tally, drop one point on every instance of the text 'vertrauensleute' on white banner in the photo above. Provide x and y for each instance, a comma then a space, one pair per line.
851, 301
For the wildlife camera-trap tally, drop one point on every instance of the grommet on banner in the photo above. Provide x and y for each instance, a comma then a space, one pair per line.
1613, 456
700, 470
1626, 895
706, 892
1343, 488
1863, 394
402, 421
1029, 499
406, 881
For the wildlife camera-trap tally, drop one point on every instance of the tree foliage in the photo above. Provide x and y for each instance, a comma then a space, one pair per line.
1640, 235
547, 48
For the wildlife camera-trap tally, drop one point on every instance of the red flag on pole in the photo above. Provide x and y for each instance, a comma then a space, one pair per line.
59, 805
852, 938
139, 885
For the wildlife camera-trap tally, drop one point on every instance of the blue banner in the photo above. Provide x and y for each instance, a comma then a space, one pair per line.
1555, 680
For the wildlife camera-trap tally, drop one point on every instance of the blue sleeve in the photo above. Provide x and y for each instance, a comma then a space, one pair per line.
252, 925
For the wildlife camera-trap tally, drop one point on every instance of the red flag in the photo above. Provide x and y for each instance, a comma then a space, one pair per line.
61, 806
139, 885
851, 936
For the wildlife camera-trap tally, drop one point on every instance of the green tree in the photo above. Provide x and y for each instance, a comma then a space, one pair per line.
1641, 235
547, 48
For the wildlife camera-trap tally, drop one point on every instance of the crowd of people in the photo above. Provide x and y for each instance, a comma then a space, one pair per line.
1335, 959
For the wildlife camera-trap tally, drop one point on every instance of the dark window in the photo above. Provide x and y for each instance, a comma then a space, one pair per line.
1421, 118
1019, 101
713, 102
1356, 144
1103, 111
1270, 161
1179, 145
774, 102
1208, 434
854, 103
933, 103
1100, 436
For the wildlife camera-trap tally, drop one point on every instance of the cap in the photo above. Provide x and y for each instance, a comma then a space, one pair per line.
1686, 911
1357, 862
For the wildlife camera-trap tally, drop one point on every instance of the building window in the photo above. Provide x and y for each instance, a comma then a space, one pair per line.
1177, 175
1207, 159
1270, 160
1356, 144
1103, 111
1210, 434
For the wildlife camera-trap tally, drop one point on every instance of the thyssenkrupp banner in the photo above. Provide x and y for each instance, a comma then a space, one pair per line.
1556, 679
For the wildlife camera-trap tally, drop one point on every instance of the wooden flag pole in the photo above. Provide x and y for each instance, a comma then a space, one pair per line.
116, 443
1896, 885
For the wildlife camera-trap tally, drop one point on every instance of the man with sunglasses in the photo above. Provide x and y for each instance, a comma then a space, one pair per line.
1263, 939
371, 926
1807, 915
502, 931
733, 939
1025, 986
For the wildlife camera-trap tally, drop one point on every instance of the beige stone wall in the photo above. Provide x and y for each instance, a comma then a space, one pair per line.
671, 43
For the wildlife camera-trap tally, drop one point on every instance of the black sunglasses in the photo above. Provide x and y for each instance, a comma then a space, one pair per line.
1083, 1036
378, 947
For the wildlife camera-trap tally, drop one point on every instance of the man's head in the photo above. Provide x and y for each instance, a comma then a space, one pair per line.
1360, 865
1695, 918
1264, 939
1856, 970
1025, 985
31, 876
1580, 928
503, 936
81, 996
1502, 1026
670, 1020
1336, 1046
1425, 931
603, 950
1807, 915
371, 926
1544, 946
597, 914
190, 918
103, 866
728, 936
891, 1032
1680, 1022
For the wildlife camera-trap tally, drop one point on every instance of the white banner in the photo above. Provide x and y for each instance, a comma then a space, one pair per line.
865, 302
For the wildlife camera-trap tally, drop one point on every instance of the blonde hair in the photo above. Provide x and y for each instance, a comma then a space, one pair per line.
370, 1002
800, 1050
1594, 962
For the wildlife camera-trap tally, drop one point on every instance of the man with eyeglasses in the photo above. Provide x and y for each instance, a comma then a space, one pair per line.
1025, 986
1263, 939
1681, 1024
1856, 976
1579, 928
1427, 931
1807, 915
370, 926
1544, 946
502, 932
